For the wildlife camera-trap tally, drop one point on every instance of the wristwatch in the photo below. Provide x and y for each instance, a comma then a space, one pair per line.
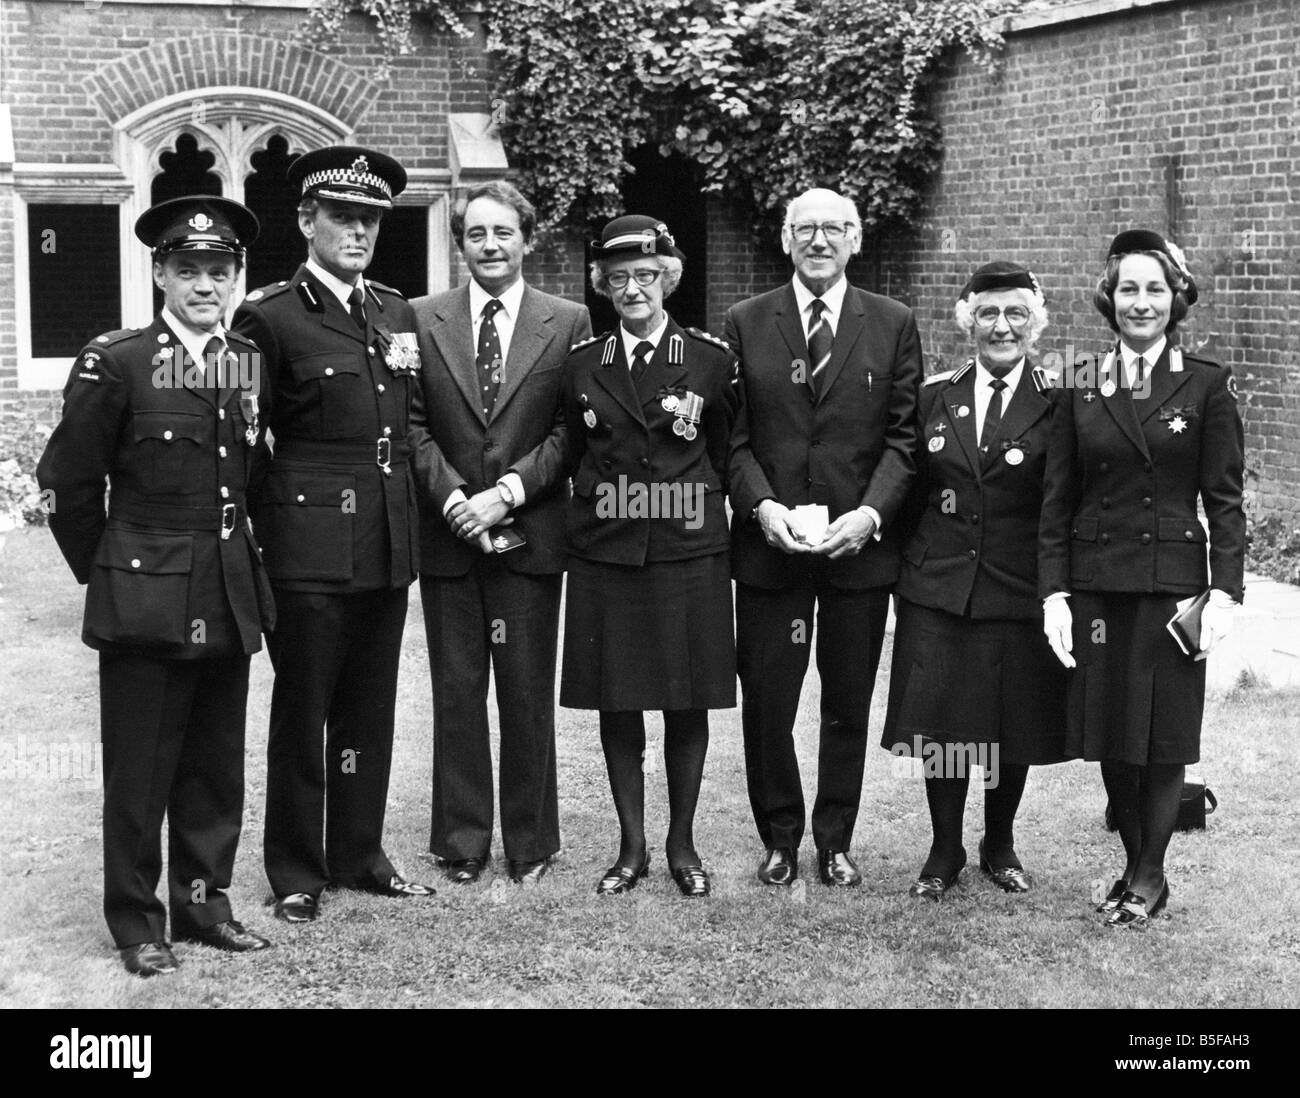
507, 496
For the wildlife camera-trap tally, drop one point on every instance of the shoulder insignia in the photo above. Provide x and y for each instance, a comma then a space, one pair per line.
378, 287
1042, 379
610, 350
109, 338
675, 345
950, 376
707, 338
1175, 360
1232, 387
256, 295
87, 367
585, 342
310, 297
264, 293
937, 379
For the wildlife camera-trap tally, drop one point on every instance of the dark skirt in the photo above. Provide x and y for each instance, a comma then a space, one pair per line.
657, 636
961, 681
1134, 697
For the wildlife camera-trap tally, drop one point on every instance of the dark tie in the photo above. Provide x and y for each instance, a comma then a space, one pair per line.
488, 356
641, 359
212, 351
819, 343
1141, 370
357, 307
993, 417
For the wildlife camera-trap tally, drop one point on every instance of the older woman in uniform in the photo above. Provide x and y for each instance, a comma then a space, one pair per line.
972, 679
1134, 444
648, 620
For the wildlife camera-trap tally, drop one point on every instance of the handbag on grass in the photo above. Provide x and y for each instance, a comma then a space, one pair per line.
1197, 802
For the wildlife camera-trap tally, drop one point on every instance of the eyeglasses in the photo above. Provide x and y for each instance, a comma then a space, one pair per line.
987, 316
619, 279
804, 231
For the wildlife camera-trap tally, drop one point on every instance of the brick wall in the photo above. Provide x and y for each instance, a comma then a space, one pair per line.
1182, 118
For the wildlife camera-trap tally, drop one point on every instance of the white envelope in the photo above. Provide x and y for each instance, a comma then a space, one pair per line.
810, 521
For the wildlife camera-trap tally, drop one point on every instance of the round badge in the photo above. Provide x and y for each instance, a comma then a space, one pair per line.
679, 427
690, 432
963, 411
165, 352
163, 337
1108, 388
936, 444
1015, 456
589, 418
669, 404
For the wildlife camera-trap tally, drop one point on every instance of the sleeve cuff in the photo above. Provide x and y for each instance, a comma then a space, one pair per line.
514, 484
1056, 596
874, 515
457, 496
1221, 599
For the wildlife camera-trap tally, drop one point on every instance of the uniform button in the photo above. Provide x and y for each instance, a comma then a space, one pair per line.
135, 563
380, 388
167, 435
1105, 501
809, 482
489, 445
302, 499
1146, 501
329, 371
1105, 539
1189, 535
221, 413
387, 431
972, 554
1103, 468
221, 450
645, 463
975, 520
370, 350
1146, 539
225, 492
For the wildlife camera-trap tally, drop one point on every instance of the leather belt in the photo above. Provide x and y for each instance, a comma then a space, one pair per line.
223, 518
385, 452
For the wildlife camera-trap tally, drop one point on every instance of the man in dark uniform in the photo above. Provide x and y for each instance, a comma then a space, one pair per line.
177, 600
336, 514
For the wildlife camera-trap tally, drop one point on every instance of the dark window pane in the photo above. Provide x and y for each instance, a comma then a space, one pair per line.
280, 246
401, 258
74, 275
186, 170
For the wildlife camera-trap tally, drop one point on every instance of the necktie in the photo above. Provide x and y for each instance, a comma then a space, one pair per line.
993, 417
641, 358
487, 358
1141, 366
212, 351
357, 307
819, 343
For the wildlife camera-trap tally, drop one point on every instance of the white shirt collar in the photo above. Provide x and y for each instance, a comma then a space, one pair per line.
193, 341
983, 375
340, 289
630, 341
1151, 354
833, 299
510, 299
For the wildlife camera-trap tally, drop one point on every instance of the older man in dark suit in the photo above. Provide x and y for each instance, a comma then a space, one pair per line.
822, 457
488, 438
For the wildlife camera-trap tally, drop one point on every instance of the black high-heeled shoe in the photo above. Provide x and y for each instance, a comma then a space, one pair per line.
1113, 897
619, 879
1009, 878
1133, 909
692, 880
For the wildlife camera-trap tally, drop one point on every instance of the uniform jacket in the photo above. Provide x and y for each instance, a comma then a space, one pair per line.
335, 510
971, 520
852, 445
1123, 476
455, 446
648, 485
172, 567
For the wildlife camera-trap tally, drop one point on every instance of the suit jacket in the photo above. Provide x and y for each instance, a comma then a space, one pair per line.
971, 519
1123, 475
172, 567
455, 446
851, 445
335, 510
648, 484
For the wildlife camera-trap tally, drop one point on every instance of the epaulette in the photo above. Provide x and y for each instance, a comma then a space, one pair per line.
707, 338
951, 376
937, 379
1042, 379
589, 339
262, 293
233, 336
372, 286
109, 338
1199, 359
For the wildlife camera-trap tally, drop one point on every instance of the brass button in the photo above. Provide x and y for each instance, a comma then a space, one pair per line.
135, 563
225, 492
221, 450
1189, 535
1146, 539
380, 388
1105, 539
167, 435
329, 371
972, 554
302, 499
221, 413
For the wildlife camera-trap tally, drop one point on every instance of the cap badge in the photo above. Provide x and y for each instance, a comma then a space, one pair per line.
361, 165
200, 223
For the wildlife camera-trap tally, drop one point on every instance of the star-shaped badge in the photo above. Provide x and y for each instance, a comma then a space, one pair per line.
1178, 425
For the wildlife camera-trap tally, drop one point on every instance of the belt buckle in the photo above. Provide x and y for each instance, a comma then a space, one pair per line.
384, 454
227, 520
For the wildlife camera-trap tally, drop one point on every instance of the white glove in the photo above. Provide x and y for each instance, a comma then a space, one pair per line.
1216, 619
1058, 625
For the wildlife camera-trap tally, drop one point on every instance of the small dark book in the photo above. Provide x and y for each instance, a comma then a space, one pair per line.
1185, 626
505, 538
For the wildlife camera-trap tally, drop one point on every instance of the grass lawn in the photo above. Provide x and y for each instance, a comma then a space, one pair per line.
1231, 939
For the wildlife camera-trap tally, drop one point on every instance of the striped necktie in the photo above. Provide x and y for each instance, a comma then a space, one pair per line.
819, 343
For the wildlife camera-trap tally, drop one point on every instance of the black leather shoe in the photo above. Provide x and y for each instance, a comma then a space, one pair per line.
149, 959
529, 873
397, 885
230, 936
692, 880
297, 907
933, 888
1134, 911
619, 879
1008, 878
837, 869
463, 871
1113, 897
780, 866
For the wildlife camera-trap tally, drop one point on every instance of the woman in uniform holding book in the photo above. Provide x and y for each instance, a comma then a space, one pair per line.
1137, 437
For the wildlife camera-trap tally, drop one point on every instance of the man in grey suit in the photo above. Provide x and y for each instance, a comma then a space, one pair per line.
488, 437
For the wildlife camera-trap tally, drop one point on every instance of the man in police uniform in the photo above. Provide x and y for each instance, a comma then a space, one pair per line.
177, 597
337, 516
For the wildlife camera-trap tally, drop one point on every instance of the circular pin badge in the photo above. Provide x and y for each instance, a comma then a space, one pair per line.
165, 352
963, 411
936, 444
679, 427
589, 418
1015, 456
1108, 388
163, 337
690, 432
670, 404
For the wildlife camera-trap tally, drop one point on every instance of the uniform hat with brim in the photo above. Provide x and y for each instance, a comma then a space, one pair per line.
634, 234
1001, 274
1144, 240
347, 173
197, 223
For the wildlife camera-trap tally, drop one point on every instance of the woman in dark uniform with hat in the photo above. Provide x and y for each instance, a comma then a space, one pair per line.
648, 619
1134, 443
972, 679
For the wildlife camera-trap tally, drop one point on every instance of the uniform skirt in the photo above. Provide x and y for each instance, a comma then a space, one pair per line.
963, 681
654, 636
1134, 697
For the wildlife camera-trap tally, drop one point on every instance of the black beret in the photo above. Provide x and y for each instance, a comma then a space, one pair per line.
1144, 240
1001, 274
